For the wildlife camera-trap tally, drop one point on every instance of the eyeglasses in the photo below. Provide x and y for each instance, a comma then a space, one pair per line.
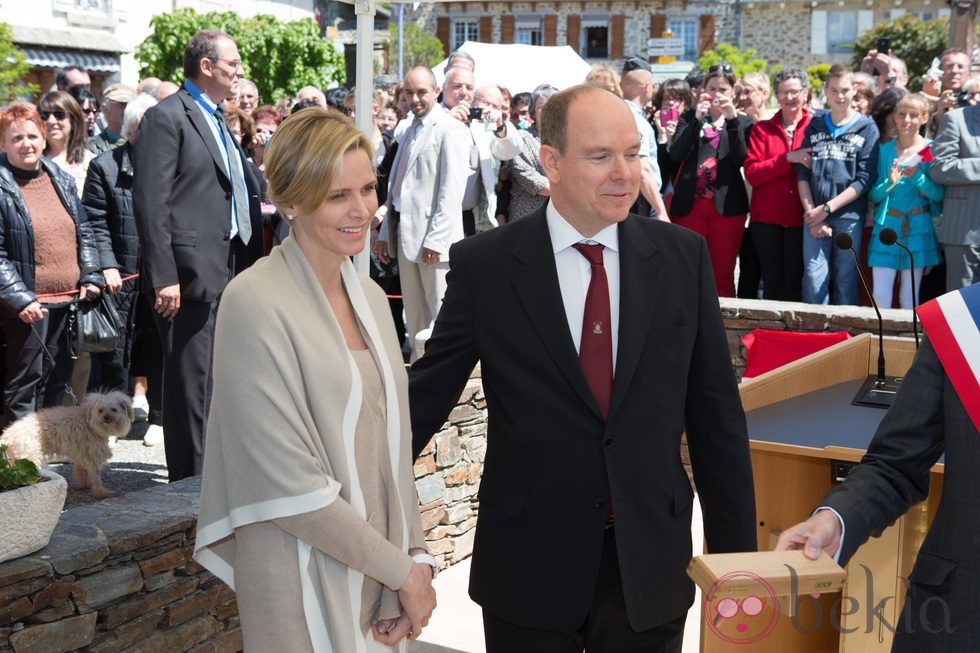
58, 115
90, 111
234, 63
720, 68
791, 93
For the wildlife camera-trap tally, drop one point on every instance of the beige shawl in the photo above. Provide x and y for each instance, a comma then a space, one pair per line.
287, 394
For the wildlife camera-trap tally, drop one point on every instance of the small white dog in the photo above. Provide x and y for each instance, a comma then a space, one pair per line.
79, 433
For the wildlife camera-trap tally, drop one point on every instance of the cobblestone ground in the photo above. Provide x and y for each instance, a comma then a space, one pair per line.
132, 467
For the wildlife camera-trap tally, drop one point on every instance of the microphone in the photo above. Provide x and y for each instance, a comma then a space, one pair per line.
889, 237
877, 390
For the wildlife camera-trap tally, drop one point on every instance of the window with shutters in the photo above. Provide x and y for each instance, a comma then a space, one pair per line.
528, 31
923, 13
464, 30
595, 38
687, 29
841, 31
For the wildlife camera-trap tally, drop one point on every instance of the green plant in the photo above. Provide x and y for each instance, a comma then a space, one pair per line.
742, 62
18, 474
911, 39
418, 48
817, 74
13, 67
280, 57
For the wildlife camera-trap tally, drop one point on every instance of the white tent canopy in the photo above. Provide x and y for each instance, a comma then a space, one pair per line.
522, 67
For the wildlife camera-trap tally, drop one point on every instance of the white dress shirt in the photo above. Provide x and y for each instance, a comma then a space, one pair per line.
574, 273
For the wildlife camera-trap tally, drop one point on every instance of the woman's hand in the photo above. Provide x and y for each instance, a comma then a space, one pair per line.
88, 292
727, 107
801, 157
417, 598
32, 313
702, 109
391, 631
113, 282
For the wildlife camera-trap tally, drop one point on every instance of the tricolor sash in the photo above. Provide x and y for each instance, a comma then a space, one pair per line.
952, 323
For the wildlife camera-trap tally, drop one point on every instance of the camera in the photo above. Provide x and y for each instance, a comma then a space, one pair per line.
884, 45
963, 98
716, 101
476, 113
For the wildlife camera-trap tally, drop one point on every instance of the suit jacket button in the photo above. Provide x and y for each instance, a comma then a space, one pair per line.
608, 442
227, 236
598, 502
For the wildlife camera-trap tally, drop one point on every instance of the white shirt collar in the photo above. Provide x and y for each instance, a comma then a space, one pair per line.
564, 235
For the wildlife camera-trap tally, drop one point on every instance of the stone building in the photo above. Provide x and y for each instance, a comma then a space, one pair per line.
788, 32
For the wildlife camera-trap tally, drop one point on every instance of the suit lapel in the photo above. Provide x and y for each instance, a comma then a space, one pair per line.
200, 125
640, 277
535, 280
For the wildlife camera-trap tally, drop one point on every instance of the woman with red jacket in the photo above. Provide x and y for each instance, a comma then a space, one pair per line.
776, 221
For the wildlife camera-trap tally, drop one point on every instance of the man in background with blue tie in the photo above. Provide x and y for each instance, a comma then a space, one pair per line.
601, 341
199, 223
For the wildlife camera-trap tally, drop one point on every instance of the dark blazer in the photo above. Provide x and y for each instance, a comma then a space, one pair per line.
730, 195
926, 420
182, 201
551, 457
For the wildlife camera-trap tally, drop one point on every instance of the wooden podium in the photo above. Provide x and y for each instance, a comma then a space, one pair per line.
803, 432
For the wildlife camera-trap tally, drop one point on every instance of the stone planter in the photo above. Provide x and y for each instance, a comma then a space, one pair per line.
29, 514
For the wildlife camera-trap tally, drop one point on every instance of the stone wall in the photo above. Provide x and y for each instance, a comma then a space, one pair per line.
118, 574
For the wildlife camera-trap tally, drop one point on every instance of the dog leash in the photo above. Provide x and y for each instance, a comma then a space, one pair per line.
71, 319
52, 362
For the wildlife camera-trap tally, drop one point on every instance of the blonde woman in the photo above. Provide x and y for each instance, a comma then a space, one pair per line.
308, 502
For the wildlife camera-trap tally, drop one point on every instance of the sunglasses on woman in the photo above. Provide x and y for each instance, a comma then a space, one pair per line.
58, 115
726, 69
89, 110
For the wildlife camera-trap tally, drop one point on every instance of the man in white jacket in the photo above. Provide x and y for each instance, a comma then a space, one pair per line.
425, 197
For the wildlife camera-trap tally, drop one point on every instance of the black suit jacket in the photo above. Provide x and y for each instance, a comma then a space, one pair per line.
550, 455
926, 420
182, 201
731, 197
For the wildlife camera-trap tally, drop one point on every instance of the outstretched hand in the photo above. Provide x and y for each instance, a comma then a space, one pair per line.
821, 532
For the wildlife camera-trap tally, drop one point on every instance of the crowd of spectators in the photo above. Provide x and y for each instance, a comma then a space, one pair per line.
767, 170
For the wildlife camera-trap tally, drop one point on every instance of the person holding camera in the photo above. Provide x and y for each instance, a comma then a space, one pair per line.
946, 86
956, 165
709, 197
888, 70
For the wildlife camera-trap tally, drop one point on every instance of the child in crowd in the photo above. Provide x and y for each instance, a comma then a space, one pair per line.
907, 200
834, 190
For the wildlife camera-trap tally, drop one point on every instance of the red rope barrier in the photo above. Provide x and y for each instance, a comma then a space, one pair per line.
75, 292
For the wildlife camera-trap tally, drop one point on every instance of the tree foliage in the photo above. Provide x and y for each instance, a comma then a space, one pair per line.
911, 39
13, 67
419, 48
742, 62
280, 57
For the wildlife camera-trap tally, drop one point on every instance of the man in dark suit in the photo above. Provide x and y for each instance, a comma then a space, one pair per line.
199, 222
935, 412
592, 371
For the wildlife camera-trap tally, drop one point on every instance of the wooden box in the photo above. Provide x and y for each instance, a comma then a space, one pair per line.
774, 573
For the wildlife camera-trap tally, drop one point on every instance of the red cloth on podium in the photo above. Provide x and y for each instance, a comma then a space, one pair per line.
766, 349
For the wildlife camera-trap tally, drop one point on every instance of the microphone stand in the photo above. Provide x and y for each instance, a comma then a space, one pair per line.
878, 390
889, 237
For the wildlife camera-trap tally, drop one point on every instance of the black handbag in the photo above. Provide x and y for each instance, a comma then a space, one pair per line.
97, 326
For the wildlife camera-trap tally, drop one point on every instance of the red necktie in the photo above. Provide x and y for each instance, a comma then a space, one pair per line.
595, 352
